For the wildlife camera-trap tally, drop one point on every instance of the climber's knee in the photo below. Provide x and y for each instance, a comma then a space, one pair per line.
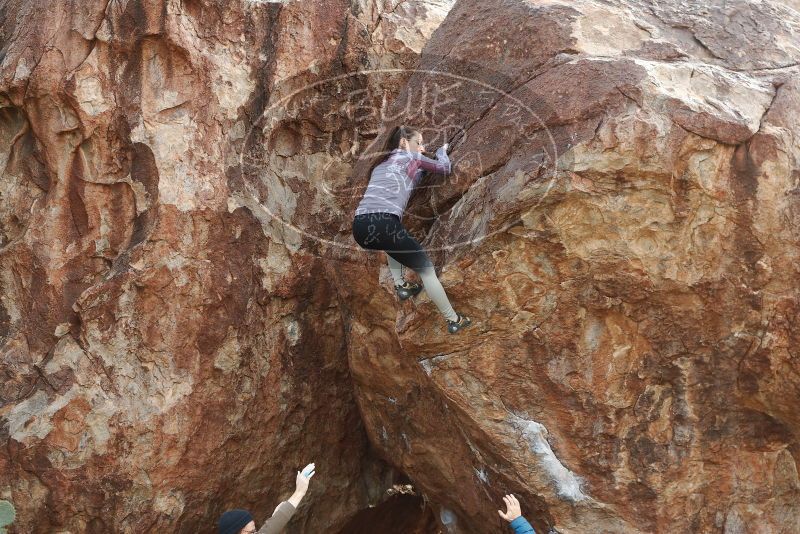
426, 271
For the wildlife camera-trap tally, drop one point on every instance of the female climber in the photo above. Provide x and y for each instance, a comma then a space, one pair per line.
377, 223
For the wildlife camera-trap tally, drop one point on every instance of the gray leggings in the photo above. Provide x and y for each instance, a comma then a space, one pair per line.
433, 287
385, 231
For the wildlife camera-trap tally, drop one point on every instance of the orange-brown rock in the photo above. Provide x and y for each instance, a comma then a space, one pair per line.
186, 318
629, 252
163, 357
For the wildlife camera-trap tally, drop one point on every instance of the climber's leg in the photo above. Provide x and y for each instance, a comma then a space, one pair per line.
405, 290
417, 259
382, 231
434, 289
436, 293
385, 231
396, 268
407, 251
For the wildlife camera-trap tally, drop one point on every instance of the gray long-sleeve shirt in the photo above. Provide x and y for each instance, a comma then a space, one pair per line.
394, 179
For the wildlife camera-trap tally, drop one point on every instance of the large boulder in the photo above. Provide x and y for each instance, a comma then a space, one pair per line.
622, 226
166, 357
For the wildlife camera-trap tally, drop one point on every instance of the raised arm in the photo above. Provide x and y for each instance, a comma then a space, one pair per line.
285, 510
282, 514
440, 165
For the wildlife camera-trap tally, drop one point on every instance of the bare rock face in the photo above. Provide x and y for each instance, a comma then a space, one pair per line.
165, 355
186, 320
622, 227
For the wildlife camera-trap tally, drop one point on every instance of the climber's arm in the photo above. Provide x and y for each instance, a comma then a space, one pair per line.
440, 165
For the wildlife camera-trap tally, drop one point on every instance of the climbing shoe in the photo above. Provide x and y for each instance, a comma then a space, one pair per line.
462, 322
407, 290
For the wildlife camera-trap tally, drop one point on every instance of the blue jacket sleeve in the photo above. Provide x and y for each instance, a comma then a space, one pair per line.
521, 526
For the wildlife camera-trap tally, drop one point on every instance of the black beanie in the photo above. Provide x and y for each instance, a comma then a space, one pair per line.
233, 521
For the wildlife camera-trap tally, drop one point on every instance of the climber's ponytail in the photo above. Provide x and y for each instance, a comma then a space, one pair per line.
393, 142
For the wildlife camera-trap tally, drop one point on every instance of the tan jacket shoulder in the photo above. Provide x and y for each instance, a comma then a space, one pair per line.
282, 514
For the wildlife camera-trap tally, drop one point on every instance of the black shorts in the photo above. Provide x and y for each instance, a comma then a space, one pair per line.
385, 231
